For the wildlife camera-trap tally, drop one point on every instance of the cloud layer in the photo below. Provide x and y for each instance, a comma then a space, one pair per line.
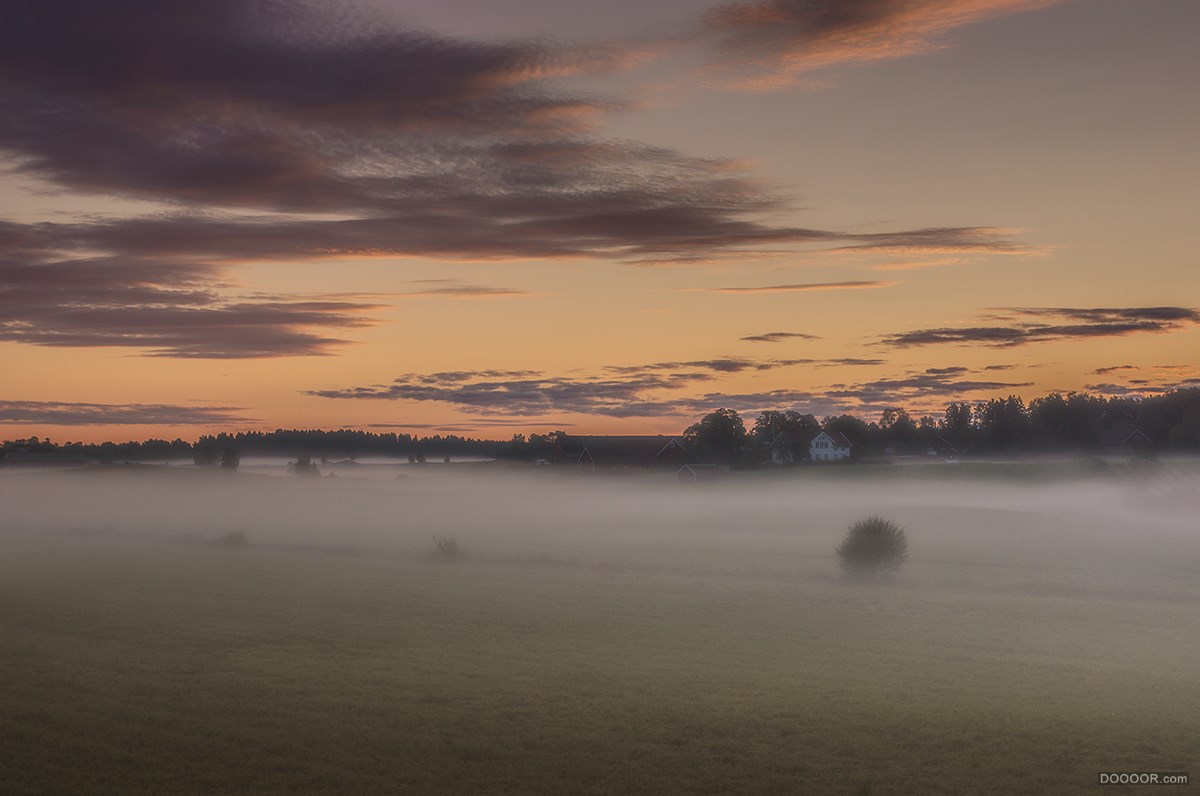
290, 132
55, 413
770, 43
1027, 325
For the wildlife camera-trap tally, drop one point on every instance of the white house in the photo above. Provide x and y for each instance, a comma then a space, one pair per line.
822, 446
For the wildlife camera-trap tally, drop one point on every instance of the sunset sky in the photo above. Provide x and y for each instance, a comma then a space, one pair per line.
486, 217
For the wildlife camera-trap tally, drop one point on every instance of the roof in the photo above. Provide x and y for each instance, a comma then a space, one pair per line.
792, 438
619, 449
1116, 437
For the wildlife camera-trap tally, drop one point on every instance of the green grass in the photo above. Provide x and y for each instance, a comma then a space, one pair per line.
150, 667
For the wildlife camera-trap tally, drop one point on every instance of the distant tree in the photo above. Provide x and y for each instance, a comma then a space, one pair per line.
898, 428
854, 429
1003, 422
230, 459
204, 453
303, 466
718, 437
872, 547
772, 422
956, 423
447, 548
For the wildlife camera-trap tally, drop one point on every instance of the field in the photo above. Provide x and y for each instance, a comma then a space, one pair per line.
615, 638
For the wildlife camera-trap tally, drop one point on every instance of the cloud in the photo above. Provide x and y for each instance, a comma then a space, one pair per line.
777, 337
57, 413
803, 288
938, 240
1028, 325
453, 288
292, 132
763, 44
1113, 369
735, 365
643, 390
168, 311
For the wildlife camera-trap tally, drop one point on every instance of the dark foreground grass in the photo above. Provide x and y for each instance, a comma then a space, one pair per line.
154, 668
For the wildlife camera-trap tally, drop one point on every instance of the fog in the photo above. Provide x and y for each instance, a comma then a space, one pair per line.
1098, 529
256, 631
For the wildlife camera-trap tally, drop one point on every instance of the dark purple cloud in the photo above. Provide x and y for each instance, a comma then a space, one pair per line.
805, 287
289, 132
768, 43
1029, 325
777, 337
166, 310
57, 413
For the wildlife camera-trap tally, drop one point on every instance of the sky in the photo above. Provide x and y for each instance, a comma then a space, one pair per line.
487, 218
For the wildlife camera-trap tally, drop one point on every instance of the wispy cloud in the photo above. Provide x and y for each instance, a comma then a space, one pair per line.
777, 337
804, 287
642, 390
763, 44
167, 311
455, 289
1113, 369
1029, 325
61, 413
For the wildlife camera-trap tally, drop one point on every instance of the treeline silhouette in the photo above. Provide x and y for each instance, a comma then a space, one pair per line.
1074, 422
1056, 422
338, 444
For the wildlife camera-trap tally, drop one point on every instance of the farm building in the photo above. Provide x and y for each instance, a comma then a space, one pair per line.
1125, 442
701, 473
818, 446
619, 452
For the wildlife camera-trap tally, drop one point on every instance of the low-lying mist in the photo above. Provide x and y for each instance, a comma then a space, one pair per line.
1110, 529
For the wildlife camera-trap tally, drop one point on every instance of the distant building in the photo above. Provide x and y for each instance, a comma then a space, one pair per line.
619, 452
701, 473
819, 446
1125, 442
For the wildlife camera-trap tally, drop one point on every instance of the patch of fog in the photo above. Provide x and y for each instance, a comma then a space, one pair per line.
1123, 531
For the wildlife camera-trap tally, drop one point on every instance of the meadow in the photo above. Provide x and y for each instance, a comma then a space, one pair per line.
618, 636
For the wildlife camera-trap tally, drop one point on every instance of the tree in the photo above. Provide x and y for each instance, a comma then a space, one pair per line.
1003, 422
772, 422
718, 437
872, 547
854, 429
230, 459
303, 466
204, 453
898, 427
956, 425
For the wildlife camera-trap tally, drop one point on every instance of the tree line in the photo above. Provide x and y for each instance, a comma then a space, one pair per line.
1074, 422
209, 449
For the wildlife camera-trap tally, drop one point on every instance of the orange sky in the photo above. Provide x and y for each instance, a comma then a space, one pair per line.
549, 218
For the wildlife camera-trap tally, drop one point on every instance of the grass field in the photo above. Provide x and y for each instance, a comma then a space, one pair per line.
664, 658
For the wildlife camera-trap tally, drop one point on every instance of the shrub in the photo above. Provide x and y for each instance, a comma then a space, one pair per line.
233, 539
304, 466
446, 548
873, 546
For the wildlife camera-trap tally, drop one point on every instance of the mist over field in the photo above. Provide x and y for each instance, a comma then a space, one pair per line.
259, 631
1038, 516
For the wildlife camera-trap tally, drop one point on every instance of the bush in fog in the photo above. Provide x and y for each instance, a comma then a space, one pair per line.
233, 539
304, 465
873, 546
446, 548
230, 459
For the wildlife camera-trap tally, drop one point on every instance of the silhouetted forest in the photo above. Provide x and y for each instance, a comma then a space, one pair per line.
1075, 422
